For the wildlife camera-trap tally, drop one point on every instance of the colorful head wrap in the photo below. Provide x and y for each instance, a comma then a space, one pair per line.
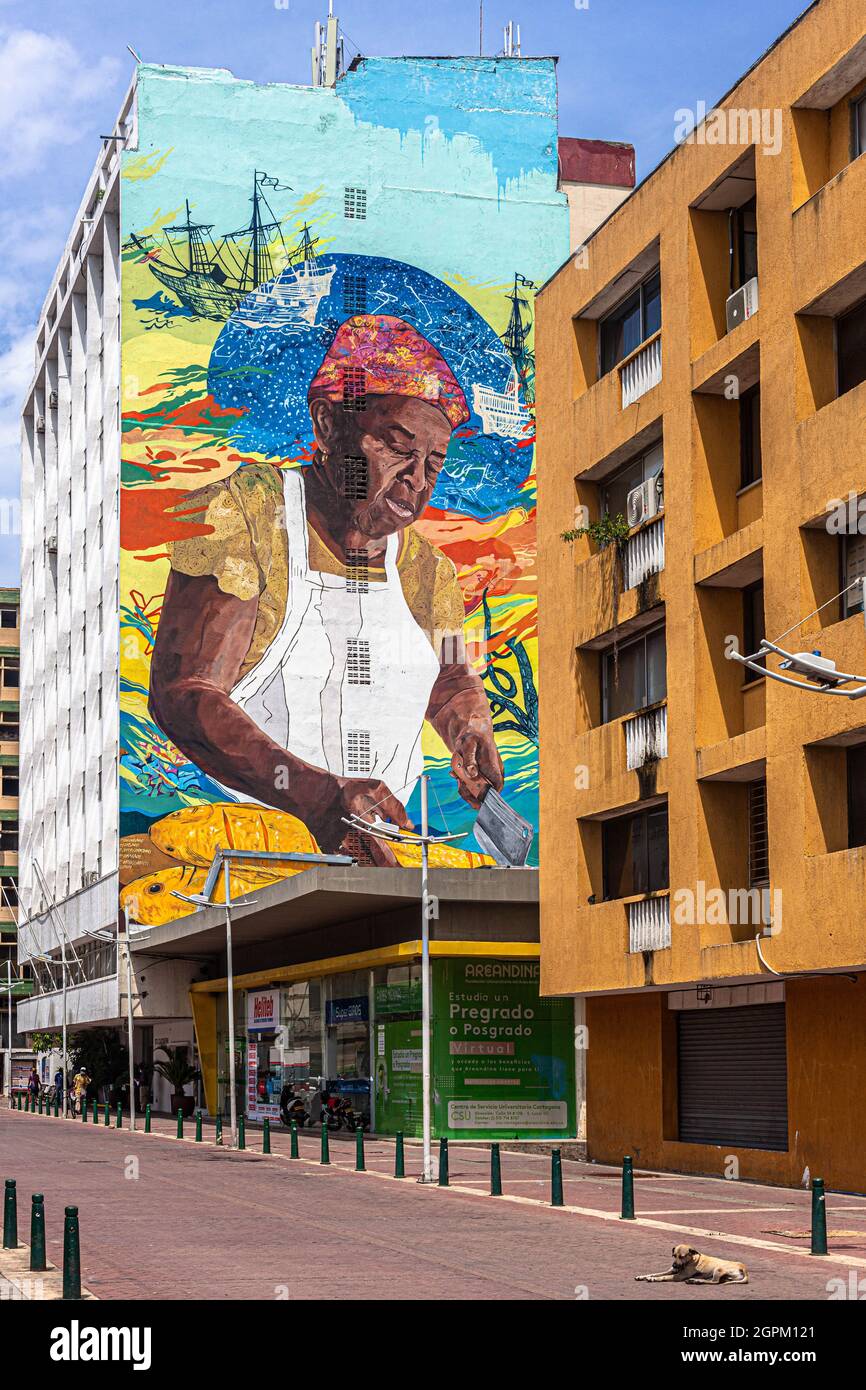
395, 360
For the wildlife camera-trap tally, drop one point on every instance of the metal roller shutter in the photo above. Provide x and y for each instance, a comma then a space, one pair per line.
733, 1077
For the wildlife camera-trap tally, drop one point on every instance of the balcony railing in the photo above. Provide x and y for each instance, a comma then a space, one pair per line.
646, 738
649, 924
644, 553
641, 372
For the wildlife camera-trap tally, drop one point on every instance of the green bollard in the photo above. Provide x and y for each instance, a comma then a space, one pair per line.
179, 1124
266, 1136
27, 1103
10, 1216
219, 1128
495, 1172
71, 1256
147, 1119
19, 1100
326, 1154
293, 1151
556, 1178
118, 1123
819, 1218
37, 1232
242, 1132
399, 1161
56, 1107
443, 1162
95, 1111
83, 1111
360, 1166
198, 1126
105, 1119
627, 1212
40, 1102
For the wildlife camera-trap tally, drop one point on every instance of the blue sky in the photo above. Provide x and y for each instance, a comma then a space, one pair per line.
625, 67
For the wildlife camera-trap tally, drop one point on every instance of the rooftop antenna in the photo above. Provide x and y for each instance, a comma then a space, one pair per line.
480, 28
510, 48
327, 52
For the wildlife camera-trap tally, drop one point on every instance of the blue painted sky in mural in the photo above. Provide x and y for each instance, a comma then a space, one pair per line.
267, 373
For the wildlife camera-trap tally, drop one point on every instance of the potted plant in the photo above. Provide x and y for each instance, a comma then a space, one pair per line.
178, 1072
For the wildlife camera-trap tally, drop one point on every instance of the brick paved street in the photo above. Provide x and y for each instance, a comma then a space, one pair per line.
204, 1222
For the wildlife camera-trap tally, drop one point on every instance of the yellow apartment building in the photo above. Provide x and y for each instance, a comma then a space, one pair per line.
702, 377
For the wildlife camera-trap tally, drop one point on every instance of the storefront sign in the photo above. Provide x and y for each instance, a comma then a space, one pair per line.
263, 1011
355, 1010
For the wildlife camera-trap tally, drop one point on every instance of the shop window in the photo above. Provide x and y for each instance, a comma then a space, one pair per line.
750, 437
635, 854
635, 676
753, 625
633, 321
851, 348
856, 773
615, 490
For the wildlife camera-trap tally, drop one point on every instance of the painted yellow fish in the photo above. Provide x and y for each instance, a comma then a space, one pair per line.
195, 834
441, 857
153, 899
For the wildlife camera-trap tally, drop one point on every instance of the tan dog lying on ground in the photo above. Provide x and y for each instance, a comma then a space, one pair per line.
690, 1267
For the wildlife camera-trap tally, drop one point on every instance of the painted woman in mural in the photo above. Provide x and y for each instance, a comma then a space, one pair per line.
308, 628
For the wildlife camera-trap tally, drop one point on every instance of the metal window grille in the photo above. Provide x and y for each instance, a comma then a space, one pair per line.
355, 479
759, 846
354, 388
358, 750
355, 203
358, 661
357, 571
355, 294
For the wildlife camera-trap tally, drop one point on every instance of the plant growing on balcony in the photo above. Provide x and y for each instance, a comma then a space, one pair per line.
606, 532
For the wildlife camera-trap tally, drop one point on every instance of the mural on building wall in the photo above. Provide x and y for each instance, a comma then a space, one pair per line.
328, 547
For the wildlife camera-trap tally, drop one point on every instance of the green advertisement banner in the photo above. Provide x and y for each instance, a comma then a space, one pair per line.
502, 1058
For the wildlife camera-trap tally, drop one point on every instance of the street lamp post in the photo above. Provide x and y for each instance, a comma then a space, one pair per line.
129, 1030
426, 1119
230, 980
8, 1073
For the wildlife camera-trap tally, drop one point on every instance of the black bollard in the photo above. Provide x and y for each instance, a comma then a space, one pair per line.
10, 1216
627, 1209
443, 1162
495, 1172
37, 1232
556, 1199
71, 1256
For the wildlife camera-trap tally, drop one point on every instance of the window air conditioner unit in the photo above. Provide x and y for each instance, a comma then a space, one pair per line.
644, 502
742, 304
90, 878
51, 545
52, 400
40, 424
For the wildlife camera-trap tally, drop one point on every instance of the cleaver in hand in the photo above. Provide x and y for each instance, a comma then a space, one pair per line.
502, 833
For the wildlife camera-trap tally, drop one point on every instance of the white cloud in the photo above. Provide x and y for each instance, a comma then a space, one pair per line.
45, 89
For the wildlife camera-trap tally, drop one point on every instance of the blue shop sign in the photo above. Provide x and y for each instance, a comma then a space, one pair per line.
355, 1010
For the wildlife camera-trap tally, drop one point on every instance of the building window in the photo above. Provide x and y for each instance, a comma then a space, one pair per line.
750, 436
355, 294
851, 348
8, 891
634, 852
856, 772
358, 751
8, 835
355, 478
10, 671
358, 661
9, 726
355, 204
615, 491
631, 323
753, 625
357, 571
354, 388
635, 677
759, 845
858, 126
8, 616
8, 781
853, 568
744, 244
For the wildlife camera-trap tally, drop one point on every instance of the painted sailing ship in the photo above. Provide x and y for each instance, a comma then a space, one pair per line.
213, 280
291, 301
507, 412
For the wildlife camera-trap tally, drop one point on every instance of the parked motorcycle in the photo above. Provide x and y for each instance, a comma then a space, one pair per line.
293, 1111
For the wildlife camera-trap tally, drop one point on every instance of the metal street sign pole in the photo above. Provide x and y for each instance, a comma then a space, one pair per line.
427, 1175
233, 1104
